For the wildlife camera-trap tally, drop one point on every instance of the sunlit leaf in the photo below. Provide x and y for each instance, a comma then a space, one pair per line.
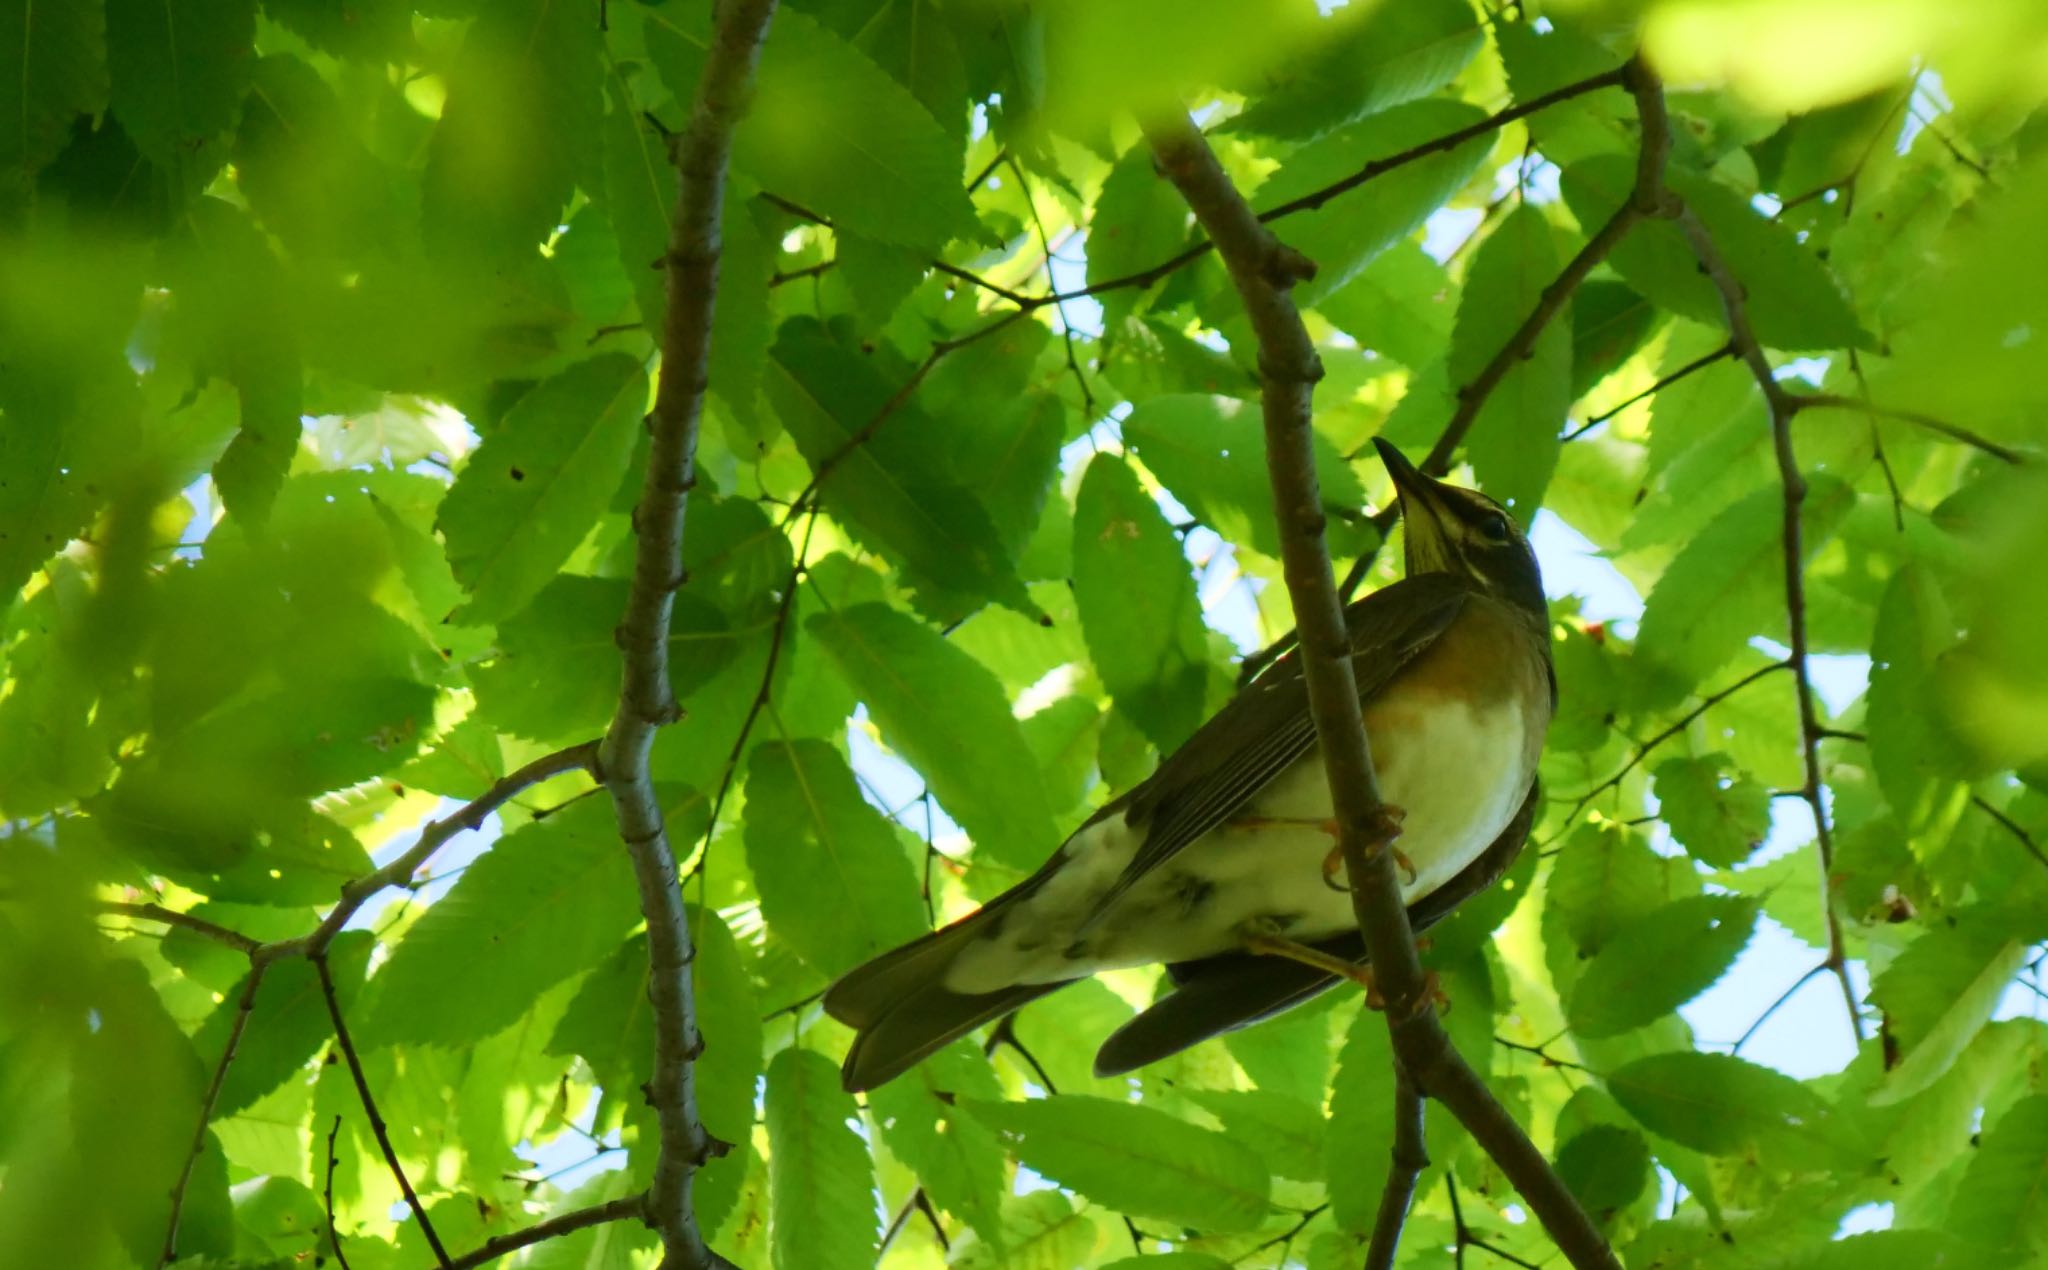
818, 1169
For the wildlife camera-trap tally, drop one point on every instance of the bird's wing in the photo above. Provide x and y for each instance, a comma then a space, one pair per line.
1266, 727
1235, 989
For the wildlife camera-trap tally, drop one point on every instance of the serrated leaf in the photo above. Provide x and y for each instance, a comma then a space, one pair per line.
1911, 751
1286, 1131
1728, 584
1400, 306
1939, 993
1717, 816
891, 489
1137, 603
1658, 963
1513, 444
821, 1212
547, 900
528, 494
523, 99
829, 129
1722, 1105
1369, 58
954, 1155
1542, 61
1344, 235
1360, 1140
1999, 1203
1793, 302
1041, 1231
947, 715
177, 71
307, 175
1603, 879
1210, 453
1139, 221
1135, 1159
57, 70
833, 879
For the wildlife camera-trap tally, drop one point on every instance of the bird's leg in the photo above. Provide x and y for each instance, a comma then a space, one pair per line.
1384, 831
1258, 937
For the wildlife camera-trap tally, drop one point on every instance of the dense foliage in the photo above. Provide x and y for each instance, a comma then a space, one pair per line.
326, 332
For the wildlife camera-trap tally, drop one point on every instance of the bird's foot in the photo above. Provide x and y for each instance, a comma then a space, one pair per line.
1432, 994
1383, 832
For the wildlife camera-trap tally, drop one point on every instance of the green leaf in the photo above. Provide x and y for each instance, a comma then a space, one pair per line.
546, 901
1541, 62
954, 1155
832, 131
1041, 1231
289, 1023
946, 714
1135, 1159
1605, 1166
1718, 817
523, 101
1911, 752
1722, 1105
1609, 323
1140, 221
1399, 306
1170, 1261
821, 1211
1658, 963
1285, 1131
1604, 879
1793, 302
57, 71
1344, 235
832, 876
1137, 603
1513, 444
1998, 1205
532, 490
888, 484
307, 175
177, 71
1939, 993
1210, 453
1360, 1141
1371, 57
1728, 584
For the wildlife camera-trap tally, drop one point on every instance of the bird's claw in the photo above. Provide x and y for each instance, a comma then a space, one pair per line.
1432, 993
1384, 830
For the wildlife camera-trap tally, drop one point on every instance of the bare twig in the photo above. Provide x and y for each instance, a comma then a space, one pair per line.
376, 1119
2012, 827
646, 699
1782, 408
171, 917
243, 1007
625, 1208
1411, 1156
1052, 286
1463, 1237
1263, 271
1794, 402
1692, 367
1775, 1006
327, 1195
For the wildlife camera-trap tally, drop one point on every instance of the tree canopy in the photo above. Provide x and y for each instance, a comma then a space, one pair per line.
362, 377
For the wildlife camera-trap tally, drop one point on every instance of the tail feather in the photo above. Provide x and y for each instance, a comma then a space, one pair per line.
902, 1010
1217, 995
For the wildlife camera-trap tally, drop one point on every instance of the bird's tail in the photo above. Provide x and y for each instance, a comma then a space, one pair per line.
903, 1011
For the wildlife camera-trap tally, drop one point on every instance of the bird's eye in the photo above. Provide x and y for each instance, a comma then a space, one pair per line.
1494, 527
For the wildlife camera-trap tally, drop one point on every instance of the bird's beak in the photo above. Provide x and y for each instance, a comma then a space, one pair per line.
1429, 545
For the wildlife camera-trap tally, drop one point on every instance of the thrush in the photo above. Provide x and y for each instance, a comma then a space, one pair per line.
1222, 850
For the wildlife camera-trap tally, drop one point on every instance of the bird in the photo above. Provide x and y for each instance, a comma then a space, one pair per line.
1227, 847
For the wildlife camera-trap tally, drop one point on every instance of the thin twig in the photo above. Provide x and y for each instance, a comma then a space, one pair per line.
647, 700
1774, 1007
333, 1233
2012, 827
1692, 367
376, 1119
626, 1208
1782, 408
1052, 287
244, 1006
1263, 271
1464, 1238
1793, 402
1411, 1156
185, 921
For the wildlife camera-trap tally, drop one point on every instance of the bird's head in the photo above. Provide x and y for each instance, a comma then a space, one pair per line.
1456, 530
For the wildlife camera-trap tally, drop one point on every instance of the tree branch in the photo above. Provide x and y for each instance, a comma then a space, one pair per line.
1940, 427
1411, 1156
1263, 271
622, 1209
243, 1008
1783, 406
377, 1126
171, 917
646, 699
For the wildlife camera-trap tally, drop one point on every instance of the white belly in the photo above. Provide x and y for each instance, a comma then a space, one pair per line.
1195, 904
